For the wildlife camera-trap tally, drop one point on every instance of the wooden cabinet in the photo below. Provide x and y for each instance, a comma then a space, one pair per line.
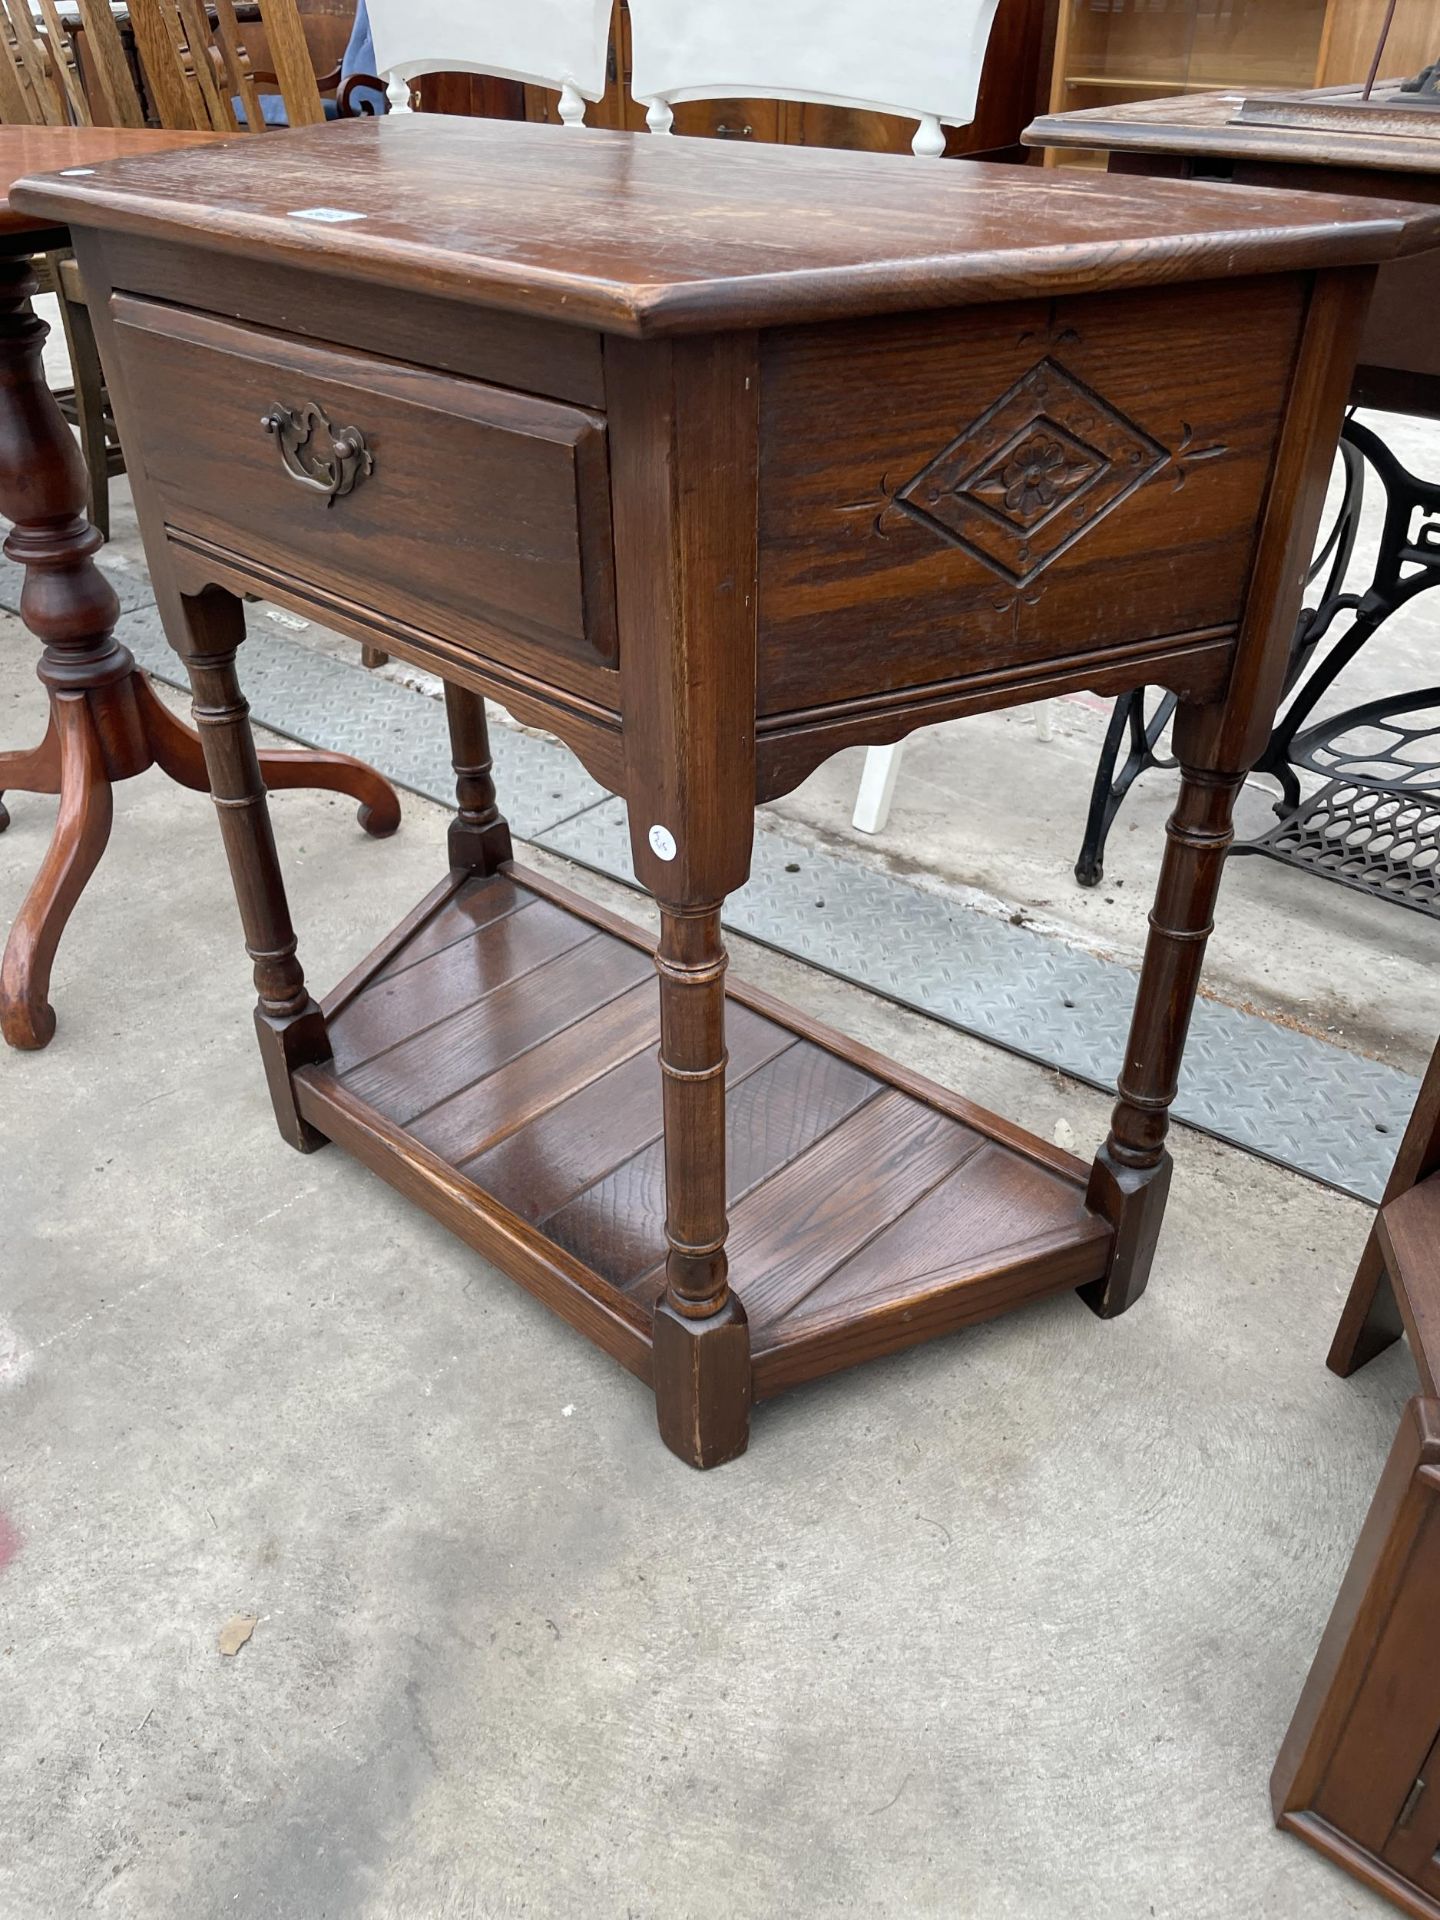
1105, 54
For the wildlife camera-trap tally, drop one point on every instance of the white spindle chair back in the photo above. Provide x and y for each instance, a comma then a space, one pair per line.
542, 43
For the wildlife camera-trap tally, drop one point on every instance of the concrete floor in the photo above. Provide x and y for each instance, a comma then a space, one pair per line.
1009, 1626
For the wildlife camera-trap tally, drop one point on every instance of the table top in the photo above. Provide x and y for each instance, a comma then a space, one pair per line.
638, 234
25, 150
1203, 124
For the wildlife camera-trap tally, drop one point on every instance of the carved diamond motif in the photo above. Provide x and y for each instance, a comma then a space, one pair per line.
1037, 469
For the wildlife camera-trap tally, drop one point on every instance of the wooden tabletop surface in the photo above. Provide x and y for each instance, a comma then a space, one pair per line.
1202, 123
25, 150
643, 235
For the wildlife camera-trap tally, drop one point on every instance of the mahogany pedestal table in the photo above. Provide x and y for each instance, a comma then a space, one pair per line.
713, 461
106, 722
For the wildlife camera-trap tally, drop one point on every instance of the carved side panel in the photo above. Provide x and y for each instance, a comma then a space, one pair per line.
944, 494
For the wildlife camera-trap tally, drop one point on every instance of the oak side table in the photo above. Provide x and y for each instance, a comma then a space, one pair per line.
712, 461
106, 723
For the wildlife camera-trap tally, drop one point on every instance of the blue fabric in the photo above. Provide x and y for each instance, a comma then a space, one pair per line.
272, 110
359, 57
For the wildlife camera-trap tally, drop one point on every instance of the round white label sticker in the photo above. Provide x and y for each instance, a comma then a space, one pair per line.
662, 843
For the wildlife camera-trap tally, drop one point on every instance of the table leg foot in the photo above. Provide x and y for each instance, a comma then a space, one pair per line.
702, 1383
1371, 1321
1132, 1199
288, 1041
36, 771
82, 829
479, 839
178, 752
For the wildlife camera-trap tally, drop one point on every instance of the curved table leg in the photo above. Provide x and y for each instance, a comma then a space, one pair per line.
35, 771
81, 832
178, 752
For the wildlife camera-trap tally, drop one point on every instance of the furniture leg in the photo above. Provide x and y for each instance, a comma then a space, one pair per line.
89, 391
701, 1338
1131, 1173
70, 606
178, 752
877, 787
290, 1026
81, 832
479, 839
1371, 1321
37, 770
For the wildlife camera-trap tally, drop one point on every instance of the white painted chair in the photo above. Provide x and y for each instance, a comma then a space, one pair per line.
920, 59
542, 43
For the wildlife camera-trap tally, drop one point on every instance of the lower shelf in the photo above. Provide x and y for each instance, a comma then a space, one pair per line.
495, 1060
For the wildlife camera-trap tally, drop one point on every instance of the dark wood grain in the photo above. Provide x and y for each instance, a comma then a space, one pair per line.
546, 1076
464, 909
773, 1114
406, 1079
507, 946
1168, 445
642, 236
824, 1206
538, 559
604, 1125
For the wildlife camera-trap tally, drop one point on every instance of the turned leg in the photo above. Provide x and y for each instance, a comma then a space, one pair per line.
702, 1342
89, 379
35, 771
178, 752
291, 1028
1131, 1174
479, 839
81, 832
67, 603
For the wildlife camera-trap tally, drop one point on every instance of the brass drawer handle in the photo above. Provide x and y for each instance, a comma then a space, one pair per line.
329, 460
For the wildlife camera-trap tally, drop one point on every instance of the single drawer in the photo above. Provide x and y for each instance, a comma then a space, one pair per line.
468, 510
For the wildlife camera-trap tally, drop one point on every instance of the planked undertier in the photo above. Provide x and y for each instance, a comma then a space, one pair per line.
496, 1060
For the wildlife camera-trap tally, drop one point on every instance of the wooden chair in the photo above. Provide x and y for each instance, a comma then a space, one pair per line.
561, 44
197, 67
42, 83
1358, 1777
921, 59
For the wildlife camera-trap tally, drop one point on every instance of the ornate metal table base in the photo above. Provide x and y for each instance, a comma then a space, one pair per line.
1375, 825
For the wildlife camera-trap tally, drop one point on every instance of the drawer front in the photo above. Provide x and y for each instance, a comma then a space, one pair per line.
948, 493
464, 509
